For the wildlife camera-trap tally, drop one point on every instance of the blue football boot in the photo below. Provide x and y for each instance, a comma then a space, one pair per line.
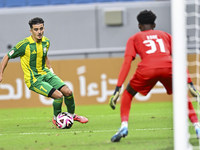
198, 133
123, 132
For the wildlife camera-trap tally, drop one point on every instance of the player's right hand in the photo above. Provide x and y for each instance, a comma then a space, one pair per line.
51, 69
114, 97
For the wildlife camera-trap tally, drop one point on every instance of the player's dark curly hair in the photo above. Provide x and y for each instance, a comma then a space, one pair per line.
34, 21
146, 17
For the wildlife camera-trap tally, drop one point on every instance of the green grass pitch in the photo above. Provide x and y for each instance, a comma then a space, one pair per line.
150, 128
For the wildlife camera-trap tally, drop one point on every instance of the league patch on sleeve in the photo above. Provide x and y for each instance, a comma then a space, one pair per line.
11, 52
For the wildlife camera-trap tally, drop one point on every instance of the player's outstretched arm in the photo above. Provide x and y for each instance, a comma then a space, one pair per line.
48, 64
122, 76
3, 65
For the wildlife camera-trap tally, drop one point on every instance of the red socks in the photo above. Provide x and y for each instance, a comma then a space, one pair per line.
125, 105
191, 112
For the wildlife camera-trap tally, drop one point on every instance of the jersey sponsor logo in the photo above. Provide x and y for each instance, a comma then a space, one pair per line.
11, 52
34, 52
45, 49
43, 88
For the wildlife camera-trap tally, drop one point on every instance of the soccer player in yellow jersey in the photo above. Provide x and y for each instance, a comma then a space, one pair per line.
38, 73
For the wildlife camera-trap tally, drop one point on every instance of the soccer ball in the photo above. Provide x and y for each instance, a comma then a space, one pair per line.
64, 120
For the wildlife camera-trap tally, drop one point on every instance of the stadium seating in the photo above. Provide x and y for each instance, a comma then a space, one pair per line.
21, 3
15, 3
136, 0
59, 2
38, 2
82, 1
105, 1
2, 3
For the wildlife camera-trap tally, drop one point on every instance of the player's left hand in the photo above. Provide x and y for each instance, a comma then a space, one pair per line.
198, 96
114, 97
194, 92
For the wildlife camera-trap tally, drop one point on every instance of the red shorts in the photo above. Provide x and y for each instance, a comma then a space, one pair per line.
144, 80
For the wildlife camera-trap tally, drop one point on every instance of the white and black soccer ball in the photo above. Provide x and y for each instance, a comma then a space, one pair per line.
64, 120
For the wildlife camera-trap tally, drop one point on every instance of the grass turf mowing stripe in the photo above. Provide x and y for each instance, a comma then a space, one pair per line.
84, 131
150, 128
36, 118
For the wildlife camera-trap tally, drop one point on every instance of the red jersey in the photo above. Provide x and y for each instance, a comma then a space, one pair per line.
153, 46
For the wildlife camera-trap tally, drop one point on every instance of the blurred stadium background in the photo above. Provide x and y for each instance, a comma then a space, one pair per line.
79, 28
85, 37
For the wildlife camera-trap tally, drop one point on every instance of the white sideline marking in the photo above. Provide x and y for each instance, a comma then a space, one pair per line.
36, 118
27, 118
95, 131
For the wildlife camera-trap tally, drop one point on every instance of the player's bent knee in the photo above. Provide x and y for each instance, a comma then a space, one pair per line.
131, 90
70, 92
66, 91
60, 95
57, 95
51, 92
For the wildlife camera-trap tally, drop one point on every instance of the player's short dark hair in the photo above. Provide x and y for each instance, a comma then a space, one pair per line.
146, 17
36, 20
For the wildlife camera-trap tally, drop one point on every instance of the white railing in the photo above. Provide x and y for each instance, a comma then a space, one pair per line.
81, 51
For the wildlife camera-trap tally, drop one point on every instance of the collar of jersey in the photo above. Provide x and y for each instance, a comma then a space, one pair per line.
32, 41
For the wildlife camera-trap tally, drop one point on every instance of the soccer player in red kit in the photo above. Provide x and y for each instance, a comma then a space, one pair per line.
154, 48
